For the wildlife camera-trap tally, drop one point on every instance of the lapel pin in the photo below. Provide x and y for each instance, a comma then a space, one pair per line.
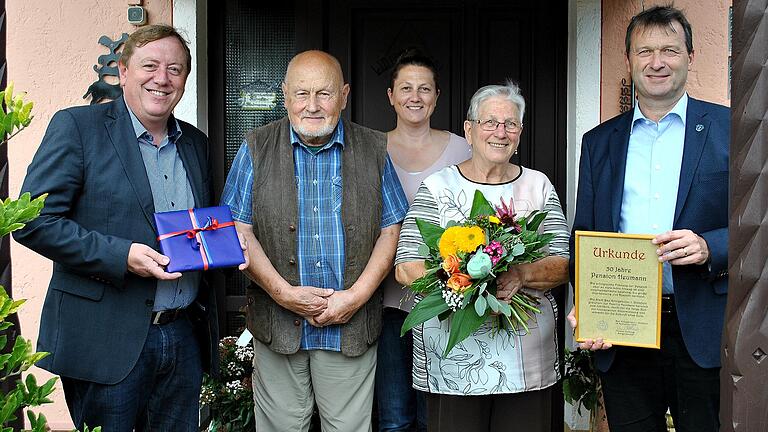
699, 127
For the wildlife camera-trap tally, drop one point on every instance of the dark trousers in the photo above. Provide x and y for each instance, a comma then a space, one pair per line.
401, 408
161, 393
642, 383
527, 411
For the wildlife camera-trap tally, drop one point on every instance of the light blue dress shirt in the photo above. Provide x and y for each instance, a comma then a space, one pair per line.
652, 176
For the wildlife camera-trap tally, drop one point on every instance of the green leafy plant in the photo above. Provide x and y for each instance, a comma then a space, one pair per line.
15, 116
581, 385
26, 393
230, 396
38, 423
16, 113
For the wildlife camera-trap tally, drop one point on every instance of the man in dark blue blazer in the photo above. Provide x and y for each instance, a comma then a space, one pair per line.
662, 169
129, 340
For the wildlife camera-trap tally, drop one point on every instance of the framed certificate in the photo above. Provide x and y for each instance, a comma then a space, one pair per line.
618, 289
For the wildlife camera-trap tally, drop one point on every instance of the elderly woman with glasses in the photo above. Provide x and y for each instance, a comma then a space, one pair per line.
495, 380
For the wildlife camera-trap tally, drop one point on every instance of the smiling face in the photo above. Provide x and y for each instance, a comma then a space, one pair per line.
153, 81
414, 95
659, 62
315, 95
493, 147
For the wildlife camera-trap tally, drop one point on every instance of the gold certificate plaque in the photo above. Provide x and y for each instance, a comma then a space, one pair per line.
618, 289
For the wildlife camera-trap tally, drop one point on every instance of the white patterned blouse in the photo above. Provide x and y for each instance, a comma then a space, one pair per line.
485, 363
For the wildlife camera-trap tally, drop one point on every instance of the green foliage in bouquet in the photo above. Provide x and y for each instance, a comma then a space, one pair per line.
230, 396
462, 262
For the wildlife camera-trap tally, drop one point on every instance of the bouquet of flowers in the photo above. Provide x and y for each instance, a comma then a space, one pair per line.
462, 262
230, 397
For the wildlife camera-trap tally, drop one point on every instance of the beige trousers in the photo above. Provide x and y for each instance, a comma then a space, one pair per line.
285, 388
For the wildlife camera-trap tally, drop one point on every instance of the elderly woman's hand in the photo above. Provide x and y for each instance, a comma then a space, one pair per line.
509, 282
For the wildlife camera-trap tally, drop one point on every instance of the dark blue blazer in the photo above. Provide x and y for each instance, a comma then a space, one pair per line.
96, 314
702, 207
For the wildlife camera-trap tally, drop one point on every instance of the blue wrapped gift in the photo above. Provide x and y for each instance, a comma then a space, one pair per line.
198, 239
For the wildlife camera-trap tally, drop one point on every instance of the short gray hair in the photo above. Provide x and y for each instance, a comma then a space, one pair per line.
510, 91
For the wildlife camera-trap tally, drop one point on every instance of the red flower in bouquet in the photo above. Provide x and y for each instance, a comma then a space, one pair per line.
506, 214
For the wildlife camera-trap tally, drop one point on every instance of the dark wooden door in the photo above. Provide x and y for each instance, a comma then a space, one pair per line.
475, 43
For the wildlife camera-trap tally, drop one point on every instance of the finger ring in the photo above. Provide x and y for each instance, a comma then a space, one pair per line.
685, 252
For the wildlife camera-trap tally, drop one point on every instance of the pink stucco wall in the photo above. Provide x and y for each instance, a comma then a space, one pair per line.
51, 49
708, 78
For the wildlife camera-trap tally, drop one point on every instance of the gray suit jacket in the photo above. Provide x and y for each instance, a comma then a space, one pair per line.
96, 314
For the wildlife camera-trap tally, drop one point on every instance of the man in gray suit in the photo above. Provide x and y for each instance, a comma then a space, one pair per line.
129, 340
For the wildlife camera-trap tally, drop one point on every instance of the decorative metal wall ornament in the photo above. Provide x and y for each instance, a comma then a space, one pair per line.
101, 89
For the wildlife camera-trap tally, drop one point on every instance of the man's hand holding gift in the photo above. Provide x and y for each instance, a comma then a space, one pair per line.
147, 262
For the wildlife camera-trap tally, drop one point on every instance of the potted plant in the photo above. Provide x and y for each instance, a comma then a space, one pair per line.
581, 385
229, 397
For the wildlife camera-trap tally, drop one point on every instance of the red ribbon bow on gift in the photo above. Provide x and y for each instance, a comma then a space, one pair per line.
211, 225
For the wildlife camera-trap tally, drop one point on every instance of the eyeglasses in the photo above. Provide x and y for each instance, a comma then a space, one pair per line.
491, 125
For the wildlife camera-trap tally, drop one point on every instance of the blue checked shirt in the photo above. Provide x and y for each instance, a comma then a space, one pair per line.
320, 231
170, 191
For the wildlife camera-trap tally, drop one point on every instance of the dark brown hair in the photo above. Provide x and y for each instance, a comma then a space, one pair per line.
414, 57
660, 16
151, 33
